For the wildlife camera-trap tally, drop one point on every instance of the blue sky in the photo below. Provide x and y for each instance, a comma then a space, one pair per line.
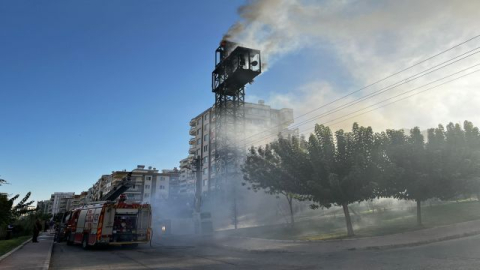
87, 87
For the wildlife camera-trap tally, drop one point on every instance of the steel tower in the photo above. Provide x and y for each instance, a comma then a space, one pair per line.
235, 66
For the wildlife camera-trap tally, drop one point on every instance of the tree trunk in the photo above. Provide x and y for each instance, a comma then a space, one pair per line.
419, 213
348, 220
290, 204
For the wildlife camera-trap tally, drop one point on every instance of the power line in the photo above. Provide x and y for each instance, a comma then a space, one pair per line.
396, 100
354, 102
383, 90
414, 89
378, 81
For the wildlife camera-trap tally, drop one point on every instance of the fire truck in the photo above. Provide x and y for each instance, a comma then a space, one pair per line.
109, 223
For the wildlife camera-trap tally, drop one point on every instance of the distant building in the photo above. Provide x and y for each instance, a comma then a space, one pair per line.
101, 187
60, 201
149, 185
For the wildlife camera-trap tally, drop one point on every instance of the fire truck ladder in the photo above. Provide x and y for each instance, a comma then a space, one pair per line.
118, 190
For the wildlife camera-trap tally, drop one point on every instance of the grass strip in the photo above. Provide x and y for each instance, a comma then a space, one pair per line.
7, 245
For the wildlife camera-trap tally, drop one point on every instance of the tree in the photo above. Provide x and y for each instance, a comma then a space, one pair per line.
3, 181
472, 141
279, 168
22, 207
5, 207
9, 212
344, 170
408, 154
461, 160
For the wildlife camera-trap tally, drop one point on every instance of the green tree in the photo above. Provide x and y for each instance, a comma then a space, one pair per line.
472, 162
22, 207
279, 168
461, 166
408, 154
345, 170
5, 210
420, 169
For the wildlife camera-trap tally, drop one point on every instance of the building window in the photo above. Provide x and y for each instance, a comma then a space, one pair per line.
147, 186
199, 141
198, 152
205, 182
205, 117
146, 195
205, 160
149, 178
205, 171
198, 131
162, 187
205, 127
205, 148
162, 178
205, 137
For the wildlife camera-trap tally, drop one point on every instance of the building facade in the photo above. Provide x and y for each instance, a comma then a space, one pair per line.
149, 184
59, 201
262, 125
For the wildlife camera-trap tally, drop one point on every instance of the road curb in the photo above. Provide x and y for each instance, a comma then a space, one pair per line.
46, 264
384, 247
15, 249
425, 242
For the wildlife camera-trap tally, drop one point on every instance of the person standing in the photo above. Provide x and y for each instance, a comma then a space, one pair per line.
37, 227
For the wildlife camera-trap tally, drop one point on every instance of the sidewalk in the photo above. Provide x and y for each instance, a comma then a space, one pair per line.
413, 238
32, 255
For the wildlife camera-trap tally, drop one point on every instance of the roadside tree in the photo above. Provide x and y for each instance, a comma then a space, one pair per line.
345, 170
281, 167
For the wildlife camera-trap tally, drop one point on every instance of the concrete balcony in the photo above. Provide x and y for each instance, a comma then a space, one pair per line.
193, 131
192, 141
192, 151
193, 122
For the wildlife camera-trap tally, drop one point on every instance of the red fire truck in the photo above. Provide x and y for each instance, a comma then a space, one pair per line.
109, 223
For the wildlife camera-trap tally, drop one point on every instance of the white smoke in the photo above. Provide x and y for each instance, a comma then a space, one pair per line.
371, 40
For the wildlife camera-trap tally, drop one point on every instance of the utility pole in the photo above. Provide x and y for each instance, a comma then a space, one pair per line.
198, 183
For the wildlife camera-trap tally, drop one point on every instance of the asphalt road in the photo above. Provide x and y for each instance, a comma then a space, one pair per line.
462, 253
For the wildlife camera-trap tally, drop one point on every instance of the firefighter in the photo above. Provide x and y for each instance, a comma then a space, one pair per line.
37, 227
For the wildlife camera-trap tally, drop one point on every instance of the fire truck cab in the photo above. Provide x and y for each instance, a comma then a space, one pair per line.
109, 223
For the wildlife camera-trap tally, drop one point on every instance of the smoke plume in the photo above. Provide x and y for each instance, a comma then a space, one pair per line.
369, 41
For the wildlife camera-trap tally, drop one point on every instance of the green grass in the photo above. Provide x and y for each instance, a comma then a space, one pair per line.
367, 223
7, 245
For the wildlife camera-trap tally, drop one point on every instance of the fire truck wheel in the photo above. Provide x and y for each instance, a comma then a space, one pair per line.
130, 245
85, 242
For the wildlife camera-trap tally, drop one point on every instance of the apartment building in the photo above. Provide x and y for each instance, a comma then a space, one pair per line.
150, 185
262, 125
59, 201
44, 206
77, 200
187, 177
